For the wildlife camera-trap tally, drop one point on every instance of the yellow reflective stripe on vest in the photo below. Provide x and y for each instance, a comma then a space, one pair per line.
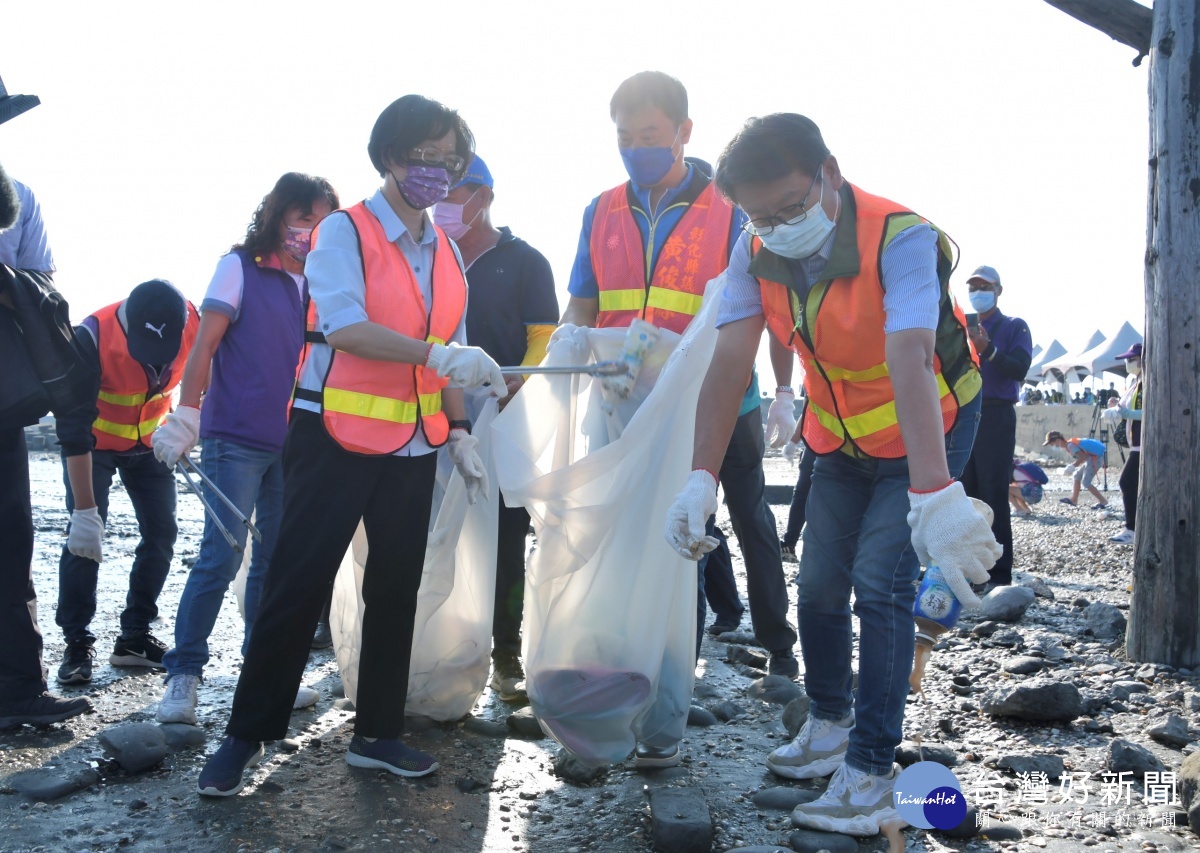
369, 406
434, 339
132, 432
123, 399
879, 371
674, 300
622, 300
380, 408
871, 421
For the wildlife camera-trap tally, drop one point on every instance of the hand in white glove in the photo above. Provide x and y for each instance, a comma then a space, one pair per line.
87, 533
466, 367
176, 435
1111, 414
688, 516
466, 459
948, 533
781, 419
791, 451
563, 332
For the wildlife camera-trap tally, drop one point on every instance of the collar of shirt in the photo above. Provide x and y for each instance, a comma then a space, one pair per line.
643, 193
271, 261
992, 322
393, 228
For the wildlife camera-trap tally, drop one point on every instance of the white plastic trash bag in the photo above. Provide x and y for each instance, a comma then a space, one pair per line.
610, 609
452, 637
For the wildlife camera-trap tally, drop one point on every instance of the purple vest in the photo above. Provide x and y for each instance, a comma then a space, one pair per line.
254, 368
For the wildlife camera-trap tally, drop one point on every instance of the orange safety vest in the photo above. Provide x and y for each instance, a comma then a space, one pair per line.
696, 251
373, 407
838, 333
129, 413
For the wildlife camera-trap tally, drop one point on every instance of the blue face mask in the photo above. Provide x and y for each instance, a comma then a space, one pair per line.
648, 166
982, 300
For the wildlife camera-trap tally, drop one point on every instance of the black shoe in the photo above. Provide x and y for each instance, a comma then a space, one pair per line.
392, 755
322, 637
222, 775
146, 650
719, 628
41, 710
783, 663
77, 664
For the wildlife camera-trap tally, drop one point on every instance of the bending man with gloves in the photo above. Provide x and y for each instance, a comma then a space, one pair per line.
858, 286
379, 390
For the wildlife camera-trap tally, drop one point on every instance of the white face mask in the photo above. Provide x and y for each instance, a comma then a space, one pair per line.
1134, 367
801, 239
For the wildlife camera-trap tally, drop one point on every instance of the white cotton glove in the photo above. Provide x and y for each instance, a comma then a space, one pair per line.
466, 367
688, 516
87, 533
1111, 414
466, 459
948, 533
781, 419
563, 332
790, 451
176, 435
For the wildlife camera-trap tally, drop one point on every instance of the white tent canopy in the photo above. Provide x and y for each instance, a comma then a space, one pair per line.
1103, 356
1058, 367
1039, 358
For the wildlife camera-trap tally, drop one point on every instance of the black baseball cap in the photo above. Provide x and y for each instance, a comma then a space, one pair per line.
155, 316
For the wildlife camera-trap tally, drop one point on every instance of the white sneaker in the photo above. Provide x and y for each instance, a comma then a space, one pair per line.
1125, 537
305, 698
855, 803
178, 704
816, 751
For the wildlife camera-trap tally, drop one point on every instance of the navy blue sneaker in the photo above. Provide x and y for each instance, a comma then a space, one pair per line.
222, 775
390, 755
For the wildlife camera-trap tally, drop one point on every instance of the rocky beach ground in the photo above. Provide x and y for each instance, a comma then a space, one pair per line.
1031, 702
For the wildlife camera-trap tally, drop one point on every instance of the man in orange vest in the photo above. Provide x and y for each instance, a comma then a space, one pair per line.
859, 287
141, 345
648, 248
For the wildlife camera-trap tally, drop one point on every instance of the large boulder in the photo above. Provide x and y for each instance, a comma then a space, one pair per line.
135, 746
1036, 700
681, 821
1124, 756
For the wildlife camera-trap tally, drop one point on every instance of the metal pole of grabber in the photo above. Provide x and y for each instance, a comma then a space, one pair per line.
241, 516
233, 543
600, 368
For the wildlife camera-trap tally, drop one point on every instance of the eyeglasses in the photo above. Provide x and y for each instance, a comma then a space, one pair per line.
789, 215
434, 157
978, 284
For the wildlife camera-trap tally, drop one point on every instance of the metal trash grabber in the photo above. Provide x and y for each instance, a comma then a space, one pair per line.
224, 499
600, 368
233, 543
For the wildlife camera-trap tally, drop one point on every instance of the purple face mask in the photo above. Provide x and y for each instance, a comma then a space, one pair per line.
424, 186
297, 242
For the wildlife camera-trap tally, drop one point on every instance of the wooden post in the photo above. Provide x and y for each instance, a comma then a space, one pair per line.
1164, 613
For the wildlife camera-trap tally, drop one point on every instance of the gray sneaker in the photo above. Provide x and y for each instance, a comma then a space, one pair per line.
855, 803
816, 751
178, 704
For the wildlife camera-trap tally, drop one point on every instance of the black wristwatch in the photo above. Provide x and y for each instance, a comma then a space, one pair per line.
461, 425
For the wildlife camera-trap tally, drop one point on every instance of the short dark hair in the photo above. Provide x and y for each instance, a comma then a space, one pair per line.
769, 147
408, 121
651, 89
295, 189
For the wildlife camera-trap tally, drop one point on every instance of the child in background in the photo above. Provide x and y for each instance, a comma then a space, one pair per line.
1087, 453
1026, 487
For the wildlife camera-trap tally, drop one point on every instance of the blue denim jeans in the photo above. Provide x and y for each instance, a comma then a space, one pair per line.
858, 540
253, 480
151, 489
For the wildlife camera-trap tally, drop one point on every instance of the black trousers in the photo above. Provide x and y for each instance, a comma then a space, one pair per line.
22, 675
513, 527
989, 473
327, 491
796, 514
745, 485
1129, 487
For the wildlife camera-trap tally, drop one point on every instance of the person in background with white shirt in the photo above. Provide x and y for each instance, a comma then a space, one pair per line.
378, 393
251, 334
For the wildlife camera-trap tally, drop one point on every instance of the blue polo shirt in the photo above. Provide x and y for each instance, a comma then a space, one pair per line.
657, 224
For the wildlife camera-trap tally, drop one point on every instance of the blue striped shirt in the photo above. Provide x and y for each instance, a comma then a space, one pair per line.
908, 270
